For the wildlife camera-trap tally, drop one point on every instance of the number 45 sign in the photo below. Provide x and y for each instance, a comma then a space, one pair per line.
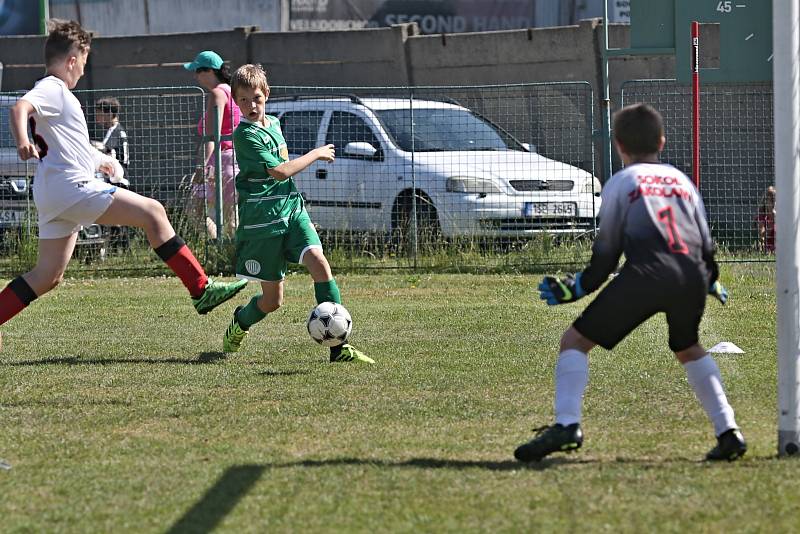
745, 38
725, 7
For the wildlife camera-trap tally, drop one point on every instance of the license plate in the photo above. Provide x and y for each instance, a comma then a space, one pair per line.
549, 209
11, 217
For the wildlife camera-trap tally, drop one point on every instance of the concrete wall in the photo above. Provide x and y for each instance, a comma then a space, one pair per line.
350, 58
395, 56
372, 57
141, 17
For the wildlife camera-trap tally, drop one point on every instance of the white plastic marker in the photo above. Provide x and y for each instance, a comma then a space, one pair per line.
4, 465
726, 347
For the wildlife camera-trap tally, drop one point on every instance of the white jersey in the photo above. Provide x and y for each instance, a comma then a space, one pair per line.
653, 214
66, 173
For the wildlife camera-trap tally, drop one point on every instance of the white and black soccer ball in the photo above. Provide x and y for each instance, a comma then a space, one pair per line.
329, 324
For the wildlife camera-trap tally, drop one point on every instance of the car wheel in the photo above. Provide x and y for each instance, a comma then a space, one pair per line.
428, 228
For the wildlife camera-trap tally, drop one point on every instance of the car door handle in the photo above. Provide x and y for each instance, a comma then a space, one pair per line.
322, 174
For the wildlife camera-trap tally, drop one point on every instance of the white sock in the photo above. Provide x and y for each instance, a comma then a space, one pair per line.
572, 375
704, 377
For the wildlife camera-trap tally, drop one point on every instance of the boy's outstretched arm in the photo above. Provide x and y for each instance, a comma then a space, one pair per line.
288, 169
19, 129
606, 252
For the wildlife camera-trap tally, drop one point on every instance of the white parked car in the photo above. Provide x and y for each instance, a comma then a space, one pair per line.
471, 178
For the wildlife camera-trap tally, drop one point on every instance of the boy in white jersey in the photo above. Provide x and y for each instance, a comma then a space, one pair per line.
66, 192
653, 214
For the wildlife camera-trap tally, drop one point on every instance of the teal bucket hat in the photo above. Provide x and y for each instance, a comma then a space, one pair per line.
205, 60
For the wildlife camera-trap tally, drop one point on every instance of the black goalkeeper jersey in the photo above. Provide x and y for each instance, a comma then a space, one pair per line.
653, 214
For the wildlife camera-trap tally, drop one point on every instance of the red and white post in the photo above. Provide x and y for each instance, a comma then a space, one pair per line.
696, 103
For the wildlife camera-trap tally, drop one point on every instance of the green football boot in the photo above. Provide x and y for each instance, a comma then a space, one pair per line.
348, 353
234, 335
216, 293
549, 439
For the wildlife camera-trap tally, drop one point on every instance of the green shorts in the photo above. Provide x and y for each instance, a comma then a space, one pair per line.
266, 260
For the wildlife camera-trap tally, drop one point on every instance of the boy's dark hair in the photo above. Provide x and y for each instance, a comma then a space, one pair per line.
108, 104
639, 129
250, 76
62, 36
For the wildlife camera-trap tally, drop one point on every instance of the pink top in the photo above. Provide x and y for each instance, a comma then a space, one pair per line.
230, 118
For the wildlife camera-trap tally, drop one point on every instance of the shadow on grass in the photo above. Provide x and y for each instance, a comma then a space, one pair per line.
237, 481
438, 463
202, 358
288, 372
62, 403
218, 501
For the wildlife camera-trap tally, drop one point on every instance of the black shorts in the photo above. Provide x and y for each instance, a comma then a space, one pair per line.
632, 298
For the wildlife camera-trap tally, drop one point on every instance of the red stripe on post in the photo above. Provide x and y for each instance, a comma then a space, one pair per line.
696, 103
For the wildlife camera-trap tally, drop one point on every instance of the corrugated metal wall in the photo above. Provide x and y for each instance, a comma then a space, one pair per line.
143, 17
567, 12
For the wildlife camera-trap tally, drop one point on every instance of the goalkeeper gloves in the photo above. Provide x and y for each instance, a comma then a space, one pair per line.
718, 291
561, 290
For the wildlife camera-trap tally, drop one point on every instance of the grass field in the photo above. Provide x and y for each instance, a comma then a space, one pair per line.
119, 414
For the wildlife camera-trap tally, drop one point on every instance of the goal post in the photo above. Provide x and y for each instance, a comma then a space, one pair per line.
786, 79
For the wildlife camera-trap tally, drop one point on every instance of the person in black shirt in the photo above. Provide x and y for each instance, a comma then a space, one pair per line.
115, 140
115, 144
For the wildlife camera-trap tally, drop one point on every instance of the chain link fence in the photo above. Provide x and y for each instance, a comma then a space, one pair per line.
425, 177
450, 177
154, 133
736, 156
458, 178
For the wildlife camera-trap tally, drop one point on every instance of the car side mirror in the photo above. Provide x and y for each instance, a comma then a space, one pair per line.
529, 147
360, 149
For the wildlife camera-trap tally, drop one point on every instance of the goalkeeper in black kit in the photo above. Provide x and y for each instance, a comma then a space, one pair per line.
653, 214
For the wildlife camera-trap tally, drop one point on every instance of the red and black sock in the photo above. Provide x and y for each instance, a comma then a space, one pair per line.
180, 259
14, 298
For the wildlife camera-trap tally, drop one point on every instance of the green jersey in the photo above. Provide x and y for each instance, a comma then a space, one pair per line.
265, 204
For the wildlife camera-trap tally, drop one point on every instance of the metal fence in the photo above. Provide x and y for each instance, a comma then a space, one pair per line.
450, 177
427, 173
162, 142
736, 156
425, 177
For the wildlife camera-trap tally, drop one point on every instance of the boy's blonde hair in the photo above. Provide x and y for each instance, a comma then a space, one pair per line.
250, 76
62, 36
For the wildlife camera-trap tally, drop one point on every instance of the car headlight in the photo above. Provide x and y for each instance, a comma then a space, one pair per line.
471, 184
592, 186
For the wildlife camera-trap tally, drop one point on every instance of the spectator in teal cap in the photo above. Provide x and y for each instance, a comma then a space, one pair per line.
214, 75
206, 59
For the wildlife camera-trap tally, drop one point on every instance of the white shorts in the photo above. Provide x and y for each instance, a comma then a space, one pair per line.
84, 213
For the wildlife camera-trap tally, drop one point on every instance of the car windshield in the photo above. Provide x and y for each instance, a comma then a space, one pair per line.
438, 130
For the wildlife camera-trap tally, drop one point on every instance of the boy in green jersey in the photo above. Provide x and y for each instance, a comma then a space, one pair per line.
274, 226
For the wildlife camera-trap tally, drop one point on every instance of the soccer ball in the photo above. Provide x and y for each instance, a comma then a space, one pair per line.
329, 324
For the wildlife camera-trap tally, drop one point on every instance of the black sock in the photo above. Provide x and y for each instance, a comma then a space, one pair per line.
336, 352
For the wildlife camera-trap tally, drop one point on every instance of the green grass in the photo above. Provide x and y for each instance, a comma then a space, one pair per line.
118, 415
